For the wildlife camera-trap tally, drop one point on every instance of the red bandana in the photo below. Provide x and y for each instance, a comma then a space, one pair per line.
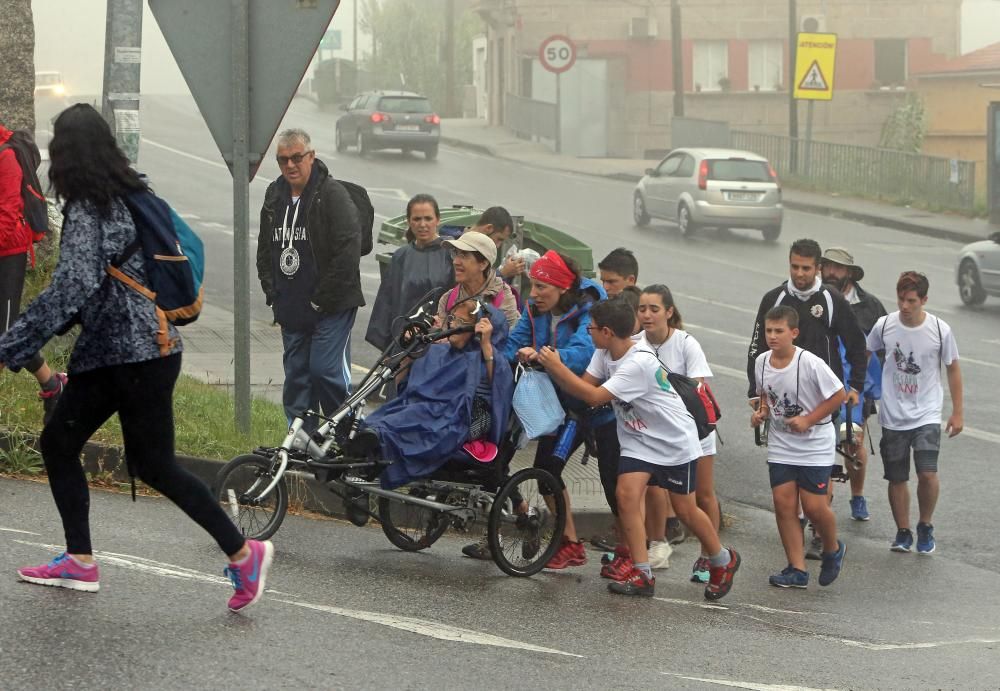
550, 268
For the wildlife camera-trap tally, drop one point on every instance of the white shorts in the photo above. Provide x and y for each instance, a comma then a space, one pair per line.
708, 445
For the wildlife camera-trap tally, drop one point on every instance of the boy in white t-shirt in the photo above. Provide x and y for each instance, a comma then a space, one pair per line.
799, 393
916, 345
658, 440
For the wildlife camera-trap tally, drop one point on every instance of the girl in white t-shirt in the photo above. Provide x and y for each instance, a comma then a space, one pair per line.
678, 351
799, 392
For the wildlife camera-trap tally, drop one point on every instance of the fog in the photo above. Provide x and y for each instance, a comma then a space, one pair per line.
69, 38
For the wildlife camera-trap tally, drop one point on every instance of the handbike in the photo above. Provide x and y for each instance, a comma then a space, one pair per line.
525, 513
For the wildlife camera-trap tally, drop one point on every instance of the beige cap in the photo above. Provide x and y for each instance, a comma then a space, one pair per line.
838, 255
474, 241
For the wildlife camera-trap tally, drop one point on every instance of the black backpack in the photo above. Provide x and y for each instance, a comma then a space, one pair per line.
36, 209
366, 214
698, 399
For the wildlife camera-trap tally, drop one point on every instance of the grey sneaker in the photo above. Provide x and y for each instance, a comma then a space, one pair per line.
814, 545
676, 533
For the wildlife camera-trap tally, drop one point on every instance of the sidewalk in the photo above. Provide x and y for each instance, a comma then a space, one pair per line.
208, 356
477, 135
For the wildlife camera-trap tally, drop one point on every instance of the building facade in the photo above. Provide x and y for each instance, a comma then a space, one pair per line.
735, 63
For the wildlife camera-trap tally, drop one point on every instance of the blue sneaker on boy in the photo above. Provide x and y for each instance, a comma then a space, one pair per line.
925, 538
903, 541
859, 509
790, 577
833, 562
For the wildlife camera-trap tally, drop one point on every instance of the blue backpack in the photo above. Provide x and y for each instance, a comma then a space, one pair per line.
174, 259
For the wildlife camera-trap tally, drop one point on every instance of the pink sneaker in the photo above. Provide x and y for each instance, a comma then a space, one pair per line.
64, 572
249, 576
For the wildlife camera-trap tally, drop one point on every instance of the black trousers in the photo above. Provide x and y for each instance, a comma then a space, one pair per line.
12, 273
608, 453
142, 395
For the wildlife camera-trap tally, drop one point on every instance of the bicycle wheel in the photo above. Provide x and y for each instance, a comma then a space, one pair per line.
409, 527
525, 534
238, 486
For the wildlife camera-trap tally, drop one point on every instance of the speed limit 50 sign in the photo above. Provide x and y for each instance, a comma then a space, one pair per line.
557, 54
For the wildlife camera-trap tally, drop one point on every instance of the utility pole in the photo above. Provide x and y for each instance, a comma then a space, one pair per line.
449, 58
793, 106
122, 60
354, 43
677, 57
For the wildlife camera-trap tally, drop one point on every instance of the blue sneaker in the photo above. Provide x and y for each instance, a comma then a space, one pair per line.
790, 577
859, 509
925, 538
903, 541
832, 563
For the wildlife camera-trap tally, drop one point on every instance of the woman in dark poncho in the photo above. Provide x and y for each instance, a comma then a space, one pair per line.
416, 268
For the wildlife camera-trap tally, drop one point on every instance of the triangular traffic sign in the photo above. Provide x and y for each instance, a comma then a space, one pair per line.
813, 80
283, 35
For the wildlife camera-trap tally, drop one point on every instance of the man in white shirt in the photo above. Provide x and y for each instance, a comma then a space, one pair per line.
916, 344
658, 440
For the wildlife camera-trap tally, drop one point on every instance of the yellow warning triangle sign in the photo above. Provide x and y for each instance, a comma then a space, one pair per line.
814, 79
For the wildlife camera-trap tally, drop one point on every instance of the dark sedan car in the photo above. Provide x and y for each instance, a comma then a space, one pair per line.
389, 120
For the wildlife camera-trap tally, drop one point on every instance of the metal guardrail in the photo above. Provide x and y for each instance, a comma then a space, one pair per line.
866, 171
530, 118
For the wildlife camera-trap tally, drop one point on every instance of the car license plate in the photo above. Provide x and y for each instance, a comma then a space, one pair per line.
408, 128
742, 196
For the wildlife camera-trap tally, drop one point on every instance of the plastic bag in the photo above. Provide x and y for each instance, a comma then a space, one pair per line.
536, 404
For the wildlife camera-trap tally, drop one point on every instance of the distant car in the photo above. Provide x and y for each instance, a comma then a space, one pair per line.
721, 188
978, 270
389, 120
49, 85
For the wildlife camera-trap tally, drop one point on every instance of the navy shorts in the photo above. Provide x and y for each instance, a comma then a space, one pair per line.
678, 479
895, 448
814, 479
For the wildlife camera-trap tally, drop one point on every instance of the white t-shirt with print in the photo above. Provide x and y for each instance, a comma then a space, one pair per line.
682, 353
797, 389
653, 424
912, 395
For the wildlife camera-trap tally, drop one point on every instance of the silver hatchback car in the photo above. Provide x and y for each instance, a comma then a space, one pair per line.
978, 270
720, 188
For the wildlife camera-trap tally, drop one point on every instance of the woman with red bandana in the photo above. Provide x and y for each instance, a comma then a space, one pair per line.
558, 315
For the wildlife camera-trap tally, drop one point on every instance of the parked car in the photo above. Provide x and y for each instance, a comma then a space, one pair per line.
389, 120
978, 270
721, 188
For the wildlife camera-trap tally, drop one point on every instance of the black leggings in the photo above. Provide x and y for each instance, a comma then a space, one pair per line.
608, 452
12, 272
142, 395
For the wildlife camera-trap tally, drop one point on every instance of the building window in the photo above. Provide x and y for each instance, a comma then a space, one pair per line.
711, 65
890, 61
766, 63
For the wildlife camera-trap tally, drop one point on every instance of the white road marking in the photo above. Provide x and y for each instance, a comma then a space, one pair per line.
717, 303
189, 217
391, 192
731, 372
422, 627
982, 435
731, 336
993, 341
981, 363
730, 606
213, 224
745, 684
15, 530
200, 159
431, 629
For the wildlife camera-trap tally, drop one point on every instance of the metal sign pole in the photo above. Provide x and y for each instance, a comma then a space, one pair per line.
807, 163
241, 210
558, 112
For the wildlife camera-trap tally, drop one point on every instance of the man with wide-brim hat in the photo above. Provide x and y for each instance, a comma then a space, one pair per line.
840, 271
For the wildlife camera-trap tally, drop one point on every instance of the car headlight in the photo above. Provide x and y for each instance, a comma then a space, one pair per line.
59, 89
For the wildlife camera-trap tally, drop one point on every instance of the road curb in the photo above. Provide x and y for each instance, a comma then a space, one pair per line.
805, 207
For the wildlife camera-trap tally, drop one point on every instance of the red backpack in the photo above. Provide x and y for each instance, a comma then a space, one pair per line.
36, 210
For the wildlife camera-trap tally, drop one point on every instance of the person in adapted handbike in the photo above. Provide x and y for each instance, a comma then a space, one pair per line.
454, 402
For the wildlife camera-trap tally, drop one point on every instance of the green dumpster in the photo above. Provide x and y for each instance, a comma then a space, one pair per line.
527, 235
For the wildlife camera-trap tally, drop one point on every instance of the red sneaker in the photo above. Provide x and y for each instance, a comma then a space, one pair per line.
637, 583
720, 578
568, 554
620, 567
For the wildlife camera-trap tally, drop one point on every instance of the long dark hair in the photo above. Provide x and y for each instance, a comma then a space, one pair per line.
667, 298
419, 199
86, 163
